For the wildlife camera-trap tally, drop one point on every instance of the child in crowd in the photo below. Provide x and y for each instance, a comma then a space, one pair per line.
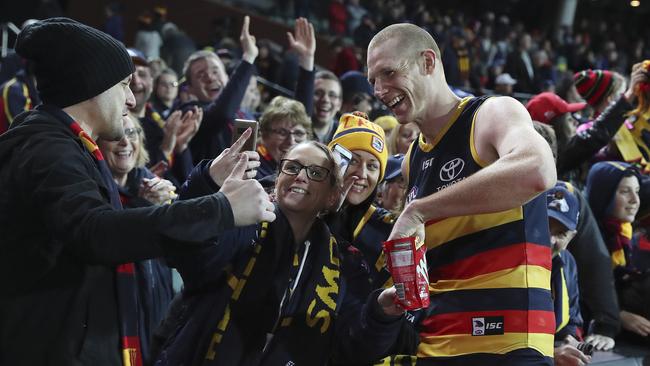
613, 192
563, 213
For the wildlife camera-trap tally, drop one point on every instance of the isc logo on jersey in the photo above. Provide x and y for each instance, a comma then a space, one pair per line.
489, 325
427, 163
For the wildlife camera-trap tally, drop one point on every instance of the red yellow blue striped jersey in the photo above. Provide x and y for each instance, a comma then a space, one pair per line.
489, 273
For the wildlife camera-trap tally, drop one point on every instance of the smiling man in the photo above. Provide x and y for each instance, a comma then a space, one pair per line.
67, 246
327, 103
474, 179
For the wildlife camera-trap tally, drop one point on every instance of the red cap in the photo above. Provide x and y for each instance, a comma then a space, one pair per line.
546, 106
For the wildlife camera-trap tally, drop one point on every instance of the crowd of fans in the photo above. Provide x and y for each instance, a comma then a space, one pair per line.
589, 92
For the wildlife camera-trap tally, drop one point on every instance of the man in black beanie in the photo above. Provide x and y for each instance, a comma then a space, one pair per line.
66, 247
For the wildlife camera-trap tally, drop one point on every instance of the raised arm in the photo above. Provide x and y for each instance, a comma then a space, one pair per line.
520, 167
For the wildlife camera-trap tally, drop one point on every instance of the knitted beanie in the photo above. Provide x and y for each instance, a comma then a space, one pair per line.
72, 61
355, 132
593, 85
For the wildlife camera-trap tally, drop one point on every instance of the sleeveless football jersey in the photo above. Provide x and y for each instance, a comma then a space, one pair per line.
489, 273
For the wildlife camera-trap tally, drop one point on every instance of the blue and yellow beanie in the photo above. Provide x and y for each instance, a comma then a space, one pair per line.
355, 132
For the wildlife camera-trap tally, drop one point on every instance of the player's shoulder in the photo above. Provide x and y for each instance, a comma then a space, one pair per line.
502, 108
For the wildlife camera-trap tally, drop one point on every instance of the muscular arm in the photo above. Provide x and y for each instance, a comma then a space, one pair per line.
520, 167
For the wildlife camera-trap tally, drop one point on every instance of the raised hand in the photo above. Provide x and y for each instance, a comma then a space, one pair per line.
248, 43
172, 124
638, 75
189, 126
248, 201
226, 161
303, 42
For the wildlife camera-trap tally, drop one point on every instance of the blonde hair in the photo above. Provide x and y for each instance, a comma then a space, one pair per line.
142, 157
282, 108
411, 40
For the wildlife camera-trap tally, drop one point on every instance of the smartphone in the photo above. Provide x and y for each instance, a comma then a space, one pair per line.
241, 125
343, 159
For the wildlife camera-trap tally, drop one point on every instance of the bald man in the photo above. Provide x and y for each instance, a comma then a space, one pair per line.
475, 176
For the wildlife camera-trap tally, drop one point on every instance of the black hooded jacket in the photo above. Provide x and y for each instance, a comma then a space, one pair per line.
60, 240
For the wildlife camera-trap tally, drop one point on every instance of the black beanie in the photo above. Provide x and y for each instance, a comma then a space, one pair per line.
72, 61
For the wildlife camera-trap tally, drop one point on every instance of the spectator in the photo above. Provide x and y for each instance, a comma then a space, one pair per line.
357, 93
359, 222
275, 314
520, 66
392, 191
177, 46
76, 254
563, 210
613, 193
599, 88
503, 84
147, 39
18, 95
355, 13
166, 140
597, 293
283, 124
387, 123
327, 103
402, 137
456, 59
138, 187
113, 25
165, 88
338, 17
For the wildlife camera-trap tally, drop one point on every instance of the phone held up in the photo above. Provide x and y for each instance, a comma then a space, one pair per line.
343, 157
240, 126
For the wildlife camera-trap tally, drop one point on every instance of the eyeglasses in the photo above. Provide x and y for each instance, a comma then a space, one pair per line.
284, 133
170, 84
132, 133
320, 94
314, 172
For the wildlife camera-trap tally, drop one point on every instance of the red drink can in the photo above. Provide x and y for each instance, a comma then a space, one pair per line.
407, 264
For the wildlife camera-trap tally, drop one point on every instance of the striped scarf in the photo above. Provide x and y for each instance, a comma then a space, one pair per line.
618, 235
125, 273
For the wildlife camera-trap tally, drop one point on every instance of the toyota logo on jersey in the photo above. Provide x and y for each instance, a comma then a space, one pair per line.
451, 169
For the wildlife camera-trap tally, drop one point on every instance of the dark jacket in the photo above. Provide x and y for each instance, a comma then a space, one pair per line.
154, 277
569, 319
254, 298
179, 164
17, 95
61, 240
597, 290
584, 145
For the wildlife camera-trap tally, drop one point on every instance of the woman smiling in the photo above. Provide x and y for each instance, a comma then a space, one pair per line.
277, 293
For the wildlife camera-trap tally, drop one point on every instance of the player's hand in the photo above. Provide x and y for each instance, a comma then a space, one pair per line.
568, 355
409, 223
389, 302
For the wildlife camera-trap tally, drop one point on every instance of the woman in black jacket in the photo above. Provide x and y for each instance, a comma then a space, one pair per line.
277, 293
